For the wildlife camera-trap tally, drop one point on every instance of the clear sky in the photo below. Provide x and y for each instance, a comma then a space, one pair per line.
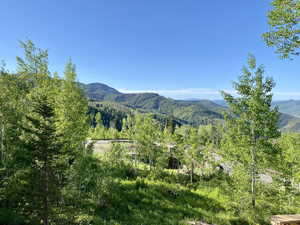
181, 49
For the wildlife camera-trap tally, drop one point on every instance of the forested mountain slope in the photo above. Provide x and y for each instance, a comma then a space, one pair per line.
289, 123
99, 91
194, 112
291, 107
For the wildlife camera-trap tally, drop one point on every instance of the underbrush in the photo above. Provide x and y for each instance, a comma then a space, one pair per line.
163, 196
108, 192
142, 196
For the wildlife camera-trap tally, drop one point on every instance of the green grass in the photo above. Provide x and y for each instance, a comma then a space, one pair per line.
144, 201
137, 196
163, 197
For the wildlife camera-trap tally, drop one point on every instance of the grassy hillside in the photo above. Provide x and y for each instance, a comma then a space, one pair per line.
134, 196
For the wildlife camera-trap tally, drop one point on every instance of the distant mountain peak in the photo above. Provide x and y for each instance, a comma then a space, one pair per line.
99, 91
103, 87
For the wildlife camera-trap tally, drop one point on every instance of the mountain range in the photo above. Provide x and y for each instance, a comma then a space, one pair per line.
194, 112
291, 107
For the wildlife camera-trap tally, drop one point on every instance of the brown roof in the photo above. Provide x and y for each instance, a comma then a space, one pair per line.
285, 218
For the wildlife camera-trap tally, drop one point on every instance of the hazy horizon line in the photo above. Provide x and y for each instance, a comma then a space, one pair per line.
204, 93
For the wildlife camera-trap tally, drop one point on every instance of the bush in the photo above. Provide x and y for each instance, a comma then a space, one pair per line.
140, 183
11, 218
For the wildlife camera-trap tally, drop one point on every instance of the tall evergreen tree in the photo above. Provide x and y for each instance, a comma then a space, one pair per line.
41, 156
43, 126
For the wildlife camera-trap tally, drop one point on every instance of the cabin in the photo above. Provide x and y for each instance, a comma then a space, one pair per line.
285, 220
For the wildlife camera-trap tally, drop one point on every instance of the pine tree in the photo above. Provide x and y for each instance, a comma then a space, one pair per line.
43, 128
42, 159
40, 162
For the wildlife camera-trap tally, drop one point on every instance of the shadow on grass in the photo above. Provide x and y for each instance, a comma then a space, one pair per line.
139, 202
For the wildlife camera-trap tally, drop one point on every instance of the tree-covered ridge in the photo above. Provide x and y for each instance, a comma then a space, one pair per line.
194, 112
291, 107
99, 91
189, 112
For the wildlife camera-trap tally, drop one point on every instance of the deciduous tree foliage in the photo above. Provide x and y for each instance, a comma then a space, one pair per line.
251, 124
284, 33
71, 110
289, 166
193, 151
147, 136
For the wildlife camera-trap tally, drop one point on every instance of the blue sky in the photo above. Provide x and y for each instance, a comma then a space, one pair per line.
181, 49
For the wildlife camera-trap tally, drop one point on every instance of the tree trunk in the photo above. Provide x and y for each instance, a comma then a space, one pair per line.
253, 176
192, 173
253, 186
45, 197
253, 168
2, 143
135, 162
